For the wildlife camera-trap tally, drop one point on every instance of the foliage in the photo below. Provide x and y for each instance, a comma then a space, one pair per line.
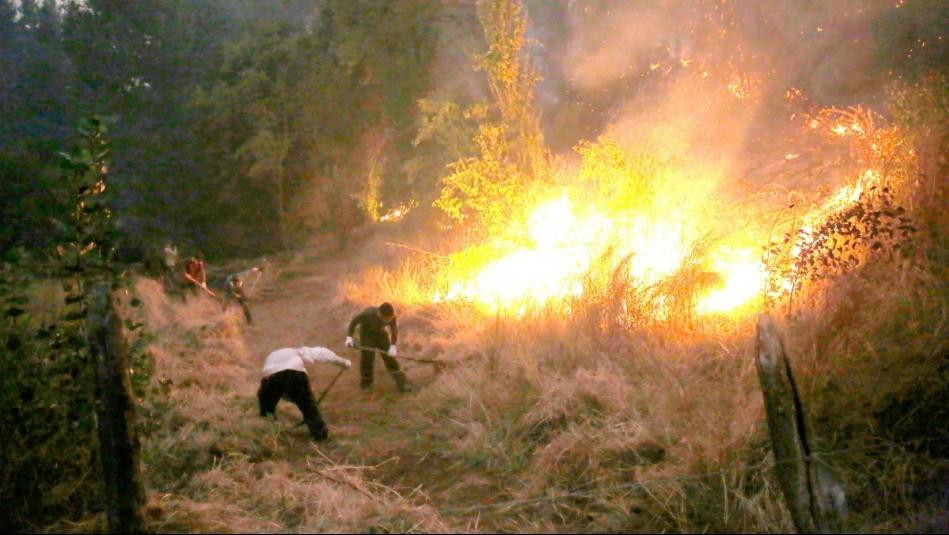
138, 65
299, 120
922, 107
844, 240
234, 122
870, 217
445, 134
486, 189
27, 202
511, 78
51, 469
622, 181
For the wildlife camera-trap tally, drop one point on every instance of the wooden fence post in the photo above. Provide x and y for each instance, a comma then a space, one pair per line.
119, 447
814, 497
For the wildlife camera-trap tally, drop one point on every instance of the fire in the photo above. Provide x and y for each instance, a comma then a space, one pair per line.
564, 244
550, 268
572, 241
397, 213
744, 278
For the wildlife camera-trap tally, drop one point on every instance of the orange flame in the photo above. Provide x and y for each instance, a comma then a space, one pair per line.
564, 246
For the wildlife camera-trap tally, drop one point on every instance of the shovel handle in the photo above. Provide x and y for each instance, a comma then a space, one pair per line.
327, 389
323, 395
386, 353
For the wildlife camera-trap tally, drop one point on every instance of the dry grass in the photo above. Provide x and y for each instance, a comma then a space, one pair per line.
585, 421
212, 465
556, 423
575, 418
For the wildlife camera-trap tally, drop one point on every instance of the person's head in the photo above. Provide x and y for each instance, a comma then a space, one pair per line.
386, 311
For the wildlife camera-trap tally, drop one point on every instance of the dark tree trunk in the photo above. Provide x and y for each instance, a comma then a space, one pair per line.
115, 411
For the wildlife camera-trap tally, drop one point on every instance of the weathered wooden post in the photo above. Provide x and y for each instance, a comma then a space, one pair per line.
115, 411
815, 499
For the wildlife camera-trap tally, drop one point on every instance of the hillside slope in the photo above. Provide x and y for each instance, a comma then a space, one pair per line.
213, 464
549, 425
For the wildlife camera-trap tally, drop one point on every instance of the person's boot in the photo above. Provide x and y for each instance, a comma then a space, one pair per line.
403, 383
318, 432
365, 384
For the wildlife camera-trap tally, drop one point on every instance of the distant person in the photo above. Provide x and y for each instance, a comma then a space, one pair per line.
284, 374
169, 261
170, 256
195, 275
234, 285
373, 338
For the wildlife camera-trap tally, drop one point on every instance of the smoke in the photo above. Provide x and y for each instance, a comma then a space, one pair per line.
702, 69
722, 86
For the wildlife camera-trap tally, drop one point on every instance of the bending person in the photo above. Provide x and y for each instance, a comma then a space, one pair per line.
285, 375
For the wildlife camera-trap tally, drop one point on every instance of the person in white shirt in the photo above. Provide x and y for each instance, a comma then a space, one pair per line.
170, 256
169, 263
285, 375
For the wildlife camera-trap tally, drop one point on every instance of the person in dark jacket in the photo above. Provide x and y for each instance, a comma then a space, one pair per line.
373, 338
234, 286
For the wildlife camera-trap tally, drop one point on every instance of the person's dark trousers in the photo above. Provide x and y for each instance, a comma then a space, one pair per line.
368, 360
241, 300
190, 289
296, 386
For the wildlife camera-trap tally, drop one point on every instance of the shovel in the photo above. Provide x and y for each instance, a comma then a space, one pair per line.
323, 395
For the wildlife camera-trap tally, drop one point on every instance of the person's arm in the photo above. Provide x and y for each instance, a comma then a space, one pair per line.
357, 319
394, 331
356, 322
322, 354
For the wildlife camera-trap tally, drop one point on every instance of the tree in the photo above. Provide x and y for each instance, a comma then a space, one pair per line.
387, 49
267, 108
49, 446
137, 64
315, 117
34, 112
511, 156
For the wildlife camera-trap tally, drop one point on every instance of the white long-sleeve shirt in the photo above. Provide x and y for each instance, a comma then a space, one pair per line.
296, 358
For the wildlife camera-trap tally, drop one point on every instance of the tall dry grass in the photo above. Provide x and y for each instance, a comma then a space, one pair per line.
610, 412
593, 415
573, 422
212, 465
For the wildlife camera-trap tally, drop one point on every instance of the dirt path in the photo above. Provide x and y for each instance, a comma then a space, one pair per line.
388, 433
298, 311
303, 308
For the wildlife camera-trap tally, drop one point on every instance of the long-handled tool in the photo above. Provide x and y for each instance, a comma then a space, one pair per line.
323, 395
202, 286
254, 284
327, 389
413, 359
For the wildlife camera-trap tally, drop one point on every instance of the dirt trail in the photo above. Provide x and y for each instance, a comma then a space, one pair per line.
303, 308
397, 445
